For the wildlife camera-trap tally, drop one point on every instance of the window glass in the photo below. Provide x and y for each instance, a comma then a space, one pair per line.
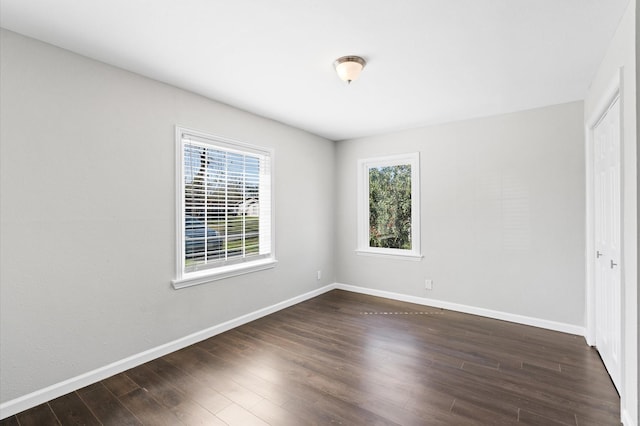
388, 206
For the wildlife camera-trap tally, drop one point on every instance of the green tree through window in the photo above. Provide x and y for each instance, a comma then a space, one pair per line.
390, 207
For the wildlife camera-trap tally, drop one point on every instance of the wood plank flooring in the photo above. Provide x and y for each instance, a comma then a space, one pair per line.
349, 359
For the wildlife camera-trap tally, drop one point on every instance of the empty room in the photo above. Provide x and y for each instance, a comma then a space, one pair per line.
318, 212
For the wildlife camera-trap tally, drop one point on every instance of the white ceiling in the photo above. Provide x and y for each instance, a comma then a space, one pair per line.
429, 61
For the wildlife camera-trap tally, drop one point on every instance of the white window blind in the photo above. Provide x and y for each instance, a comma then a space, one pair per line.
225, 205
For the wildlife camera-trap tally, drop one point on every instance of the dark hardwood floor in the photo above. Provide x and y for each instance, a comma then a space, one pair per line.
349, 359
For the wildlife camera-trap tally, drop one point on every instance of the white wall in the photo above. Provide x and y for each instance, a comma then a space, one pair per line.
87, 215
502, 214
621, 53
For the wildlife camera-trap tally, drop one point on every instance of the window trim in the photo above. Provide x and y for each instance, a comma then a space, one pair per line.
364, 165
187, 279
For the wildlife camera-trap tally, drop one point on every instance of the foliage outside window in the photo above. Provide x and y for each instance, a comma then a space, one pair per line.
224, 208
388, 206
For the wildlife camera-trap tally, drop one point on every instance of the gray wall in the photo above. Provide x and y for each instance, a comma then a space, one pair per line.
88, 211
502, 214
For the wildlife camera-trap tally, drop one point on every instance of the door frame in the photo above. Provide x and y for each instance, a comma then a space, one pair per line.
614, 89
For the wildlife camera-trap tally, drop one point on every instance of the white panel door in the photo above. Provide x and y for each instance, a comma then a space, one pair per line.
608, 302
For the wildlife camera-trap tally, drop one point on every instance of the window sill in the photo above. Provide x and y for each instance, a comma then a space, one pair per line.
391, 255
203, 277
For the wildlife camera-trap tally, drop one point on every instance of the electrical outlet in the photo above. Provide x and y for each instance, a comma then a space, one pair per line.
319, 275
428, 284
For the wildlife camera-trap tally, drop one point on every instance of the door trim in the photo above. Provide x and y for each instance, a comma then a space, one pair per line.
614, 90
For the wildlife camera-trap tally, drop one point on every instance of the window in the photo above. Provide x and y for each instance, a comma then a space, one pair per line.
224, 208
389, 206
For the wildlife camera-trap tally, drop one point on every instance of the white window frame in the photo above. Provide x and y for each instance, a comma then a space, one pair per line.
187, 278
364, 165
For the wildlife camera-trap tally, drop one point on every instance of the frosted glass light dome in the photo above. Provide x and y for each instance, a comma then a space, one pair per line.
349, 67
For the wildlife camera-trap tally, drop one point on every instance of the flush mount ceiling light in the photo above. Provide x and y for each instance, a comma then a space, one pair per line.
349, 67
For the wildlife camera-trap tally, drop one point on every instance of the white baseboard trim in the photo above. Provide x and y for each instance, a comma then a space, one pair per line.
504, 316
38, 397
